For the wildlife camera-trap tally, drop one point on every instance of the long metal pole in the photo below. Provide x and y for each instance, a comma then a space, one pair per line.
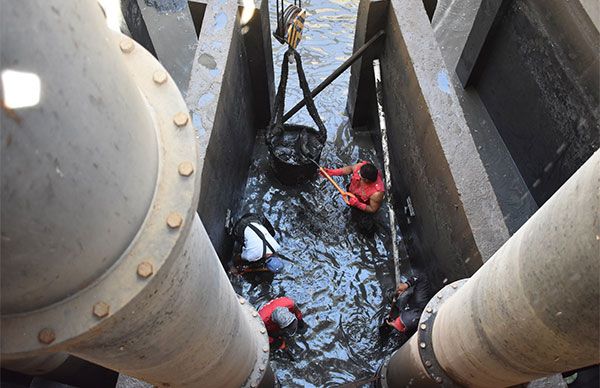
531, 311
388, 175
336, 73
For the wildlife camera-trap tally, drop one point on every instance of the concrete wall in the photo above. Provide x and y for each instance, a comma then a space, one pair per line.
538, 76
453, 24
166, 29
227, 102
458, 223
361, 105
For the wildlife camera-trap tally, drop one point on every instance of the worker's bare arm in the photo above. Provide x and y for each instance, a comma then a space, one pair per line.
374, 202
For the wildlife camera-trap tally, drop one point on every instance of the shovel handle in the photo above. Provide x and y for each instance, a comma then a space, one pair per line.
345, 195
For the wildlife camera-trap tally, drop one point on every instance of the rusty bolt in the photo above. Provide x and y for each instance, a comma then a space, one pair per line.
438, 380
174, 220
423, 345
180, 119
145, 269
429, 310
46, 336
423, 326
159, 77
428, 364
101, 309
185, 168
126, 45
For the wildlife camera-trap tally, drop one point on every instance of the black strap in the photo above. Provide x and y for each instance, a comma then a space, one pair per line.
263, 238
267, 224
276, 126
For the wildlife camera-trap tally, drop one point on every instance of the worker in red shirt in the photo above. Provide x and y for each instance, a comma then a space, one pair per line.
281, 317
367, 186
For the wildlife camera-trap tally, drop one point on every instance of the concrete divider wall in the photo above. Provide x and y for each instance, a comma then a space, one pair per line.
458, 223
225, 111
361, 105
538, 76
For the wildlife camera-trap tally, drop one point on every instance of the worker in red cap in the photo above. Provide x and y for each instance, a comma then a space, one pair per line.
281, 317
367, 186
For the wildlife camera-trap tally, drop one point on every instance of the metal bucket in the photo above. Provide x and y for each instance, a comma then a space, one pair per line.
291, 163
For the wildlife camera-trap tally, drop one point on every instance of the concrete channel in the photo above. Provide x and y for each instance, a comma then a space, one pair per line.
490, 107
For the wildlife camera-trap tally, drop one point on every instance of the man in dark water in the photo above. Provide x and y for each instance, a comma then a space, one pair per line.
281, 317
409, 300
367, 186
259, 248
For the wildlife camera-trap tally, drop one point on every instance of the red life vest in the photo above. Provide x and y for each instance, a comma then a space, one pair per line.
266, 311
366, 190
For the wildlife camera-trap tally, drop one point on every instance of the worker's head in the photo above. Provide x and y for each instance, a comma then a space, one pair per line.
274, 264
287, 322
368, 172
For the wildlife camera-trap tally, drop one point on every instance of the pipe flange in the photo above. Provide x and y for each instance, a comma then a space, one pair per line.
382, 379
425, 330
262, 350
159, 239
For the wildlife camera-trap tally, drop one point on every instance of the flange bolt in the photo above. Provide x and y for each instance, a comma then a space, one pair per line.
145, 269
174, 220
126, 45
46, 336
159, 77
180, 119
101, 309
185, 168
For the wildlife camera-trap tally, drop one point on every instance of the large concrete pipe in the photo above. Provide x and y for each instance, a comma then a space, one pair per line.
532, 309
103, 255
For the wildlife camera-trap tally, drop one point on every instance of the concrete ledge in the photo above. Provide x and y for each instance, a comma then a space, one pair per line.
452, 25
458, 221
223, 100
538, 76
361, 105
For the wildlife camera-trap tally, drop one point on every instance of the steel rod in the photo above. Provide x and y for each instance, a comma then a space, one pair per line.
336, 73
386, 167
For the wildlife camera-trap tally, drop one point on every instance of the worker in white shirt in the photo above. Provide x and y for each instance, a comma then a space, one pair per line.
259, 248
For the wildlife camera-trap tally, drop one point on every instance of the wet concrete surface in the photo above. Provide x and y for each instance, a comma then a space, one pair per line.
338, 276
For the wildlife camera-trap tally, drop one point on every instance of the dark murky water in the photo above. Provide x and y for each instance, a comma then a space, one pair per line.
338, 276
